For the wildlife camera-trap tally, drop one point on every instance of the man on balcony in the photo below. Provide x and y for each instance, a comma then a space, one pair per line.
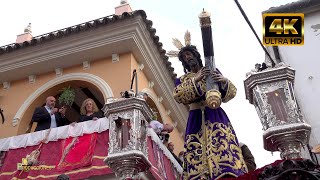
49, 116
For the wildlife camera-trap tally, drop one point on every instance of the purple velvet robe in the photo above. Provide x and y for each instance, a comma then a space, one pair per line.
211, 146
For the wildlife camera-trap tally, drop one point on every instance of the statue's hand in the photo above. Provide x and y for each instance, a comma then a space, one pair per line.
216, 76
202, 73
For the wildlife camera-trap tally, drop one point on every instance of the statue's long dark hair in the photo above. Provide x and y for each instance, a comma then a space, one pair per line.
196, 54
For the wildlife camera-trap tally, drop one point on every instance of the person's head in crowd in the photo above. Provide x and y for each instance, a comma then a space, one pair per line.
168, 127
248, 157
181, 155
88, 107
171, 146
63, 177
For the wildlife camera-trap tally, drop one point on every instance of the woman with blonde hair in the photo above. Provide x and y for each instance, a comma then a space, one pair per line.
89, 111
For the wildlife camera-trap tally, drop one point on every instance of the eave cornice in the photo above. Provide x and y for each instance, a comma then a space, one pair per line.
164, 85
129, 35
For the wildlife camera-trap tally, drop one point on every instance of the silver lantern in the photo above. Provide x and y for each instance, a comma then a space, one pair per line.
271, 92
127, 153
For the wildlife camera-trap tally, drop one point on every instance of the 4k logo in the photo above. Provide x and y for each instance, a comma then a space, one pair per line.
283, 29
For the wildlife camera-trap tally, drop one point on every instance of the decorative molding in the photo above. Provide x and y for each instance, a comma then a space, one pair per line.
151, 84
95, 80
59, 72
6, 85
164, 82
107, 37
115, 58
168, 112
175, 124
271, 75
137, 113
135, 33
141, 66
153, 97
32, 79
160, 99
86, 65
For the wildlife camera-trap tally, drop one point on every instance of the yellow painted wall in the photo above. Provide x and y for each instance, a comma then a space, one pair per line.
11, 99
117, 75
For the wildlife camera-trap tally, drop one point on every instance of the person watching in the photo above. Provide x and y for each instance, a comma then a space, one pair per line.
162, 130
171, 148
49, 116
248, 157
89, 111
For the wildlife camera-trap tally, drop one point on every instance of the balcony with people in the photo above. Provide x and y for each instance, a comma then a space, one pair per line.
90, 141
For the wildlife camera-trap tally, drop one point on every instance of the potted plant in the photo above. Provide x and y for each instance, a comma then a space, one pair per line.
155, 116
67, 96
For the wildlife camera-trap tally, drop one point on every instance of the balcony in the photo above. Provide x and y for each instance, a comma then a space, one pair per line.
84, 150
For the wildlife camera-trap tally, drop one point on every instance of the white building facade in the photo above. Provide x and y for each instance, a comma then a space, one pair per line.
305, 60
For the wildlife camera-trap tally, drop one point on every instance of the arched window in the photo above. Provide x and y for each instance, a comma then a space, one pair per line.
83, 90
86, 85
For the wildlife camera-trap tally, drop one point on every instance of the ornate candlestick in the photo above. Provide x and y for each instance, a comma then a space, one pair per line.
271, 92
127, 154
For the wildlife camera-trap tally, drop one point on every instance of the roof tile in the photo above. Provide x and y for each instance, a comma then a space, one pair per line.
88, 25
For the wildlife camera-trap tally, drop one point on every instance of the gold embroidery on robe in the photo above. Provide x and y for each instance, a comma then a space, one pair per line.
223, 152
186, 92
231, 92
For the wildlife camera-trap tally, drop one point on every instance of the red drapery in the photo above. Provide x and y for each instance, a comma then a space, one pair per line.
51, 154
94, 146
253, 175
76, 152
162, 168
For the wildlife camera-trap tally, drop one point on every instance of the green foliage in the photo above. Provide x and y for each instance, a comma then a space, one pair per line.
155, 116
67, 96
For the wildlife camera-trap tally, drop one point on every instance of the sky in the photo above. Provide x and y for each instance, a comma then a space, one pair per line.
235, 46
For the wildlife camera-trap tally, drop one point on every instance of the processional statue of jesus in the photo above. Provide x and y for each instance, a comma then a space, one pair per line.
211, 146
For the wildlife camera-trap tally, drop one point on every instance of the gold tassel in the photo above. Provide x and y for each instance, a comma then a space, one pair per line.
32, 158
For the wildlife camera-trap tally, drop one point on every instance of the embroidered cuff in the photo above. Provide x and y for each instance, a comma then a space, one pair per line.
224, 86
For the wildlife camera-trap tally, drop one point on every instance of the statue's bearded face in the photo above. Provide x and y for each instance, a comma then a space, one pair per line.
190, 59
